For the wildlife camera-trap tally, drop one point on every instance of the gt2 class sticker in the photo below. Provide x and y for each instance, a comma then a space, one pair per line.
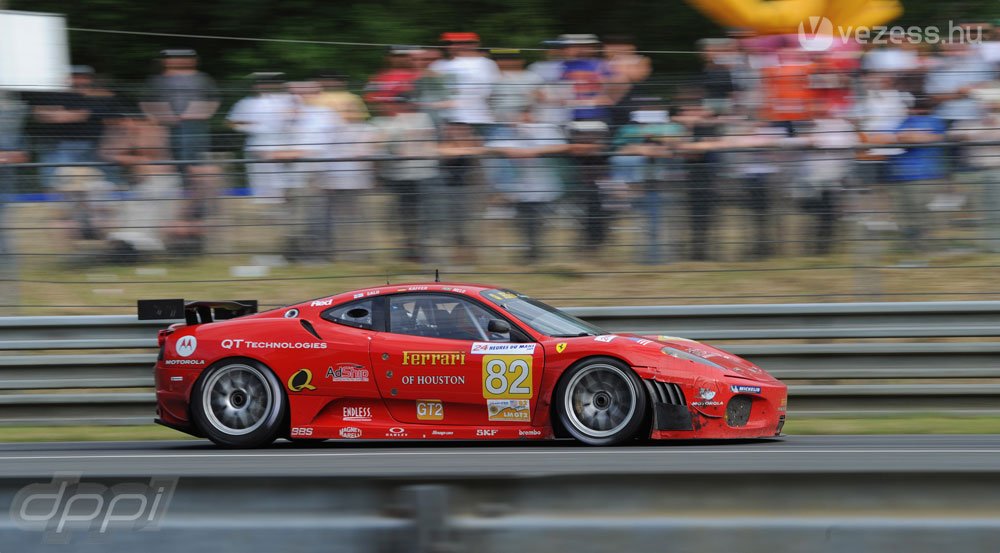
186, 346
301, 380
740, 389
483, 348
350, 432
430, 410
434, 358
347, 372
357, 414
509, 410
507, 377
254, 344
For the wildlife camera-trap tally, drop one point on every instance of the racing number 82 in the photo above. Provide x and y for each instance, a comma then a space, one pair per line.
507, 376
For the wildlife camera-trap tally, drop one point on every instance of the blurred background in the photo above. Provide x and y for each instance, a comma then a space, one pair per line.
824, 163
589, 154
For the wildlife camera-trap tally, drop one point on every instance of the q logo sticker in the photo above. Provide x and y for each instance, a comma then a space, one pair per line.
560, 347
301, 380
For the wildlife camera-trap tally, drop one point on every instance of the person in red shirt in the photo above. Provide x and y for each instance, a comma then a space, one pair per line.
396, 81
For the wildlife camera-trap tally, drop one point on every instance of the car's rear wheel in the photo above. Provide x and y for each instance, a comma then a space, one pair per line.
601, 402
239, 403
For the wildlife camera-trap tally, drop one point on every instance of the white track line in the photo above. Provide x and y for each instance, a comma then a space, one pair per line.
622, 453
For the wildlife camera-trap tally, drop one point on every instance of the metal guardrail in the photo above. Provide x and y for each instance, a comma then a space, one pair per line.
762, 513
41, 382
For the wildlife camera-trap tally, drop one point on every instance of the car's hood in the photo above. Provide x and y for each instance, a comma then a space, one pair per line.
726, 360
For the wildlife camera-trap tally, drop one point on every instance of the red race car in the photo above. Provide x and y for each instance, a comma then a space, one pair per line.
443, 361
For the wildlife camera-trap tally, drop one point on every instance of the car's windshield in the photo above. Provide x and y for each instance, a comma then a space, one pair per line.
543, 318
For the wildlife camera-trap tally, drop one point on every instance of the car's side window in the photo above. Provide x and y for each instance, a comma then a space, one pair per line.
441, 316
357, 314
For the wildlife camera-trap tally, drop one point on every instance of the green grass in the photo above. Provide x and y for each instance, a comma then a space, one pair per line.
922, 424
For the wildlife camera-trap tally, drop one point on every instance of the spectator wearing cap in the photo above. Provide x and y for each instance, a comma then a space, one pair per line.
183, 99
589, 76
394, 81
70, 123
555, 94
516, 89
470, 76
262, 118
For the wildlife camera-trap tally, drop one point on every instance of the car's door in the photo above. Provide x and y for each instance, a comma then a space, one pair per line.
438, 363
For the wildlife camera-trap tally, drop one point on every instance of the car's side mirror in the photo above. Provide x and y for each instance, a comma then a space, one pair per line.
498, 326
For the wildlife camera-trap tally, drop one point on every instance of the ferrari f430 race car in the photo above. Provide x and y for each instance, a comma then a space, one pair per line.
443, 361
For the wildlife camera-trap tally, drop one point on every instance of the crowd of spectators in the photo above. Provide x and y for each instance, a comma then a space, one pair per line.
904, 138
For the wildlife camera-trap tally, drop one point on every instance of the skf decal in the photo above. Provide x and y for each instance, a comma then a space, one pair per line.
301, 380
433, 358
560, 347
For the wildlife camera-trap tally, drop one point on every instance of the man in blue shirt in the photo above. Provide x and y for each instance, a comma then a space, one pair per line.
918, 172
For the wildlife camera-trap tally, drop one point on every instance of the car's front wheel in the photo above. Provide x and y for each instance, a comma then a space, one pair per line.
239, 403
601, 402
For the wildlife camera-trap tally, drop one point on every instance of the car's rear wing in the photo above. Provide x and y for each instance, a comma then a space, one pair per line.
194, 312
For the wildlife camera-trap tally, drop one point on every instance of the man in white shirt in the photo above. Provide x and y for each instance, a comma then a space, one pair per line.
262, 118
470, 77
308, 135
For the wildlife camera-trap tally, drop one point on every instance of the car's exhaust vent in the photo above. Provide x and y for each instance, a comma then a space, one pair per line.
738, 411
663, 392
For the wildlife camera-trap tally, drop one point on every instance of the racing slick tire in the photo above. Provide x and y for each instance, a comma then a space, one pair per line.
239, 403
601, 402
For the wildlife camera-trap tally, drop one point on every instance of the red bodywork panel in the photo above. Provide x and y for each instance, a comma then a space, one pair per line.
354, 383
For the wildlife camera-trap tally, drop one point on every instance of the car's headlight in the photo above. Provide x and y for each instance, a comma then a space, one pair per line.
674, 352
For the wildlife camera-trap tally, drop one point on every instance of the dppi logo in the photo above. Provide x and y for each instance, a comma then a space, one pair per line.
65, 504
186, 346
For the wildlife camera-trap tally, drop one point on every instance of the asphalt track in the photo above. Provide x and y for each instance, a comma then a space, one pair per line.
791, 454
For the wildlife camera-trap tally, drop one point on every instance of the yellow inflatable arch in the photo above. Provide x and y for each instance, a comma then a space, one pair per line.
768, 17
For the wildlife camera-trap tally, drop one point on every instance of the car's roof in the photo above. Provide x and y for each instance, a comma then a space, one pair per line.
465, 288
